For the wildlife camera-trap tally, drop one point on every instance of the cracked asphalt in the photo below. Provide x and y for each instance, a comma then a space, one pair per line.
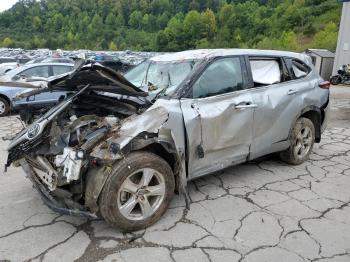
260, 211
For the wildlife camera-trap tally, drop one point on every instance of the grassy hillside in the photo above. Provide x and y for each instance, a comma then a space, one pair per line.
169, 25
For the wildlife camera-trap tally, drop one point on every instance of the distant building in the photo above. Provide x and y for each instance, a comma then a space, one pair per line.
323, 61
342, 56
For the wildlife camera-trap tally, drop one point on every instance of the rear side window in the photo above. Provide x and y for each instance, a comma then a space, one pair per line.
268, 71
7, 60
298, 68
58, 70
222, 76
38, 71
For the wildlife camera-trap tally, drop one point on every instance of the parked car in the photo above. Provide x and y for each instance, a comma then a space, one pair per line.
112, 149
30, 73
7, 64
64, 60
113, 62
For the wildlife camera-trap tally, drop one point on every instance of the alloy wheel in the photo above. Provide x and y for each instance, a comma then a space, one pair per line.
2, 107
141, 194
303, 142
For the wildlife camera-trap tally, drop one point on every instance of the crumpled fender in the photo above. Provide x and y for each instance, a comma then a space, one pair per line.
112, 147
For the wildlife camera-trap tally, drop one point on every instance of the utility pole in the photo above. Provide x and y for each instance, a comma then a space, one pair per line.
342, 56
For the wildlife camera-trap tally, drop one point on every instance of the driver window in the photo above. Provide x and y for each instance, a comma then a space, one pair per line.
221, 77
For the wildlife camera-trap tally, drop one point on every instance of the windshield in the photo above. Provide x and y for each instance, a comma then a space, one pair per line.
154, 77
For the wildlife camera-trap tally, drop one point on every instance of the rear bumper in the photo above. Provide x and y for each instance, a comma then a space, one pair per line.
48, 198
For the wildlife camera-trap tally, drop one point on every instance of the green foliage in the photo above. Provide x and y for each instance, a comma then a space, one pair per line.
7, 42
169, 25
325, 38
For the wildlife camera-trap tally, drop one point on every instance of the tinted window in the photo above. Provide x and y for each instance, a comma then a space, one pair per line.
58, 70
7, 60
222, 76
38, 71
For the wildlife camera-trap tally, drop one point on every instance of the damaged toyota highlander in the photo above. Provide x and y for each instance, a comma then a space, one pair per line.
119, 147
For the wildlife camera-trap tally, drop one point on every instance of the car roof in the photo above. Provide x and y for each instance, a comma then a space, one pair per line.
45, 64
200, 54
28, 66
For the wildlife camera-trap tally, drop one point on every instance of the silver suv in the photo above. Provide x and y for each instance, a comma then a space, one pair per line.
120, 147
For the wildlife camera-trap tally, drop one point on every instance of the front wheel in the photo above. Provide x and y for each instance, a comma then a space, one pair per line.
335, 80
301, 142
137, 192
4, 107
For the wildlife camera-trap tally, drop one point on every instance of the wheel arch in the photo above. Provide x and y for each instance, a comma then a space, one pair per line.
165, 149
160, 145
6, 98
315, 115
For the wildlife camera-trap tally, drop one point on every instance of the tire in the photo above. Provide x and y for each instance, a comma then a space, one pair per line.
4, 107
335, 80
123, 189
302, 140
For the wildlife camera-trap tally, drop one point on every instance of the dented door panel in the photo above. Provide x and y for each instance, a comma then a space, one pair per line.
279, 106
220, 127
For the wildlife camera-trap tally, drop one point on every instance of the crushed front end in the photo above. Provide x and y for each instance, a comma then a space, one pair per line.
54, 151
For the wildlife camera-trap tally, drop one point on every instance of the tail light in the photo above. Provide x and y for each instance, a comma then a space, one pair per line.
325, 85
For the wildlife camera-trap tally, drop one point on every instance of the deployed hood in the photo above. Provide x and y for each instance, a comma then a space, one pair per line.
97, 76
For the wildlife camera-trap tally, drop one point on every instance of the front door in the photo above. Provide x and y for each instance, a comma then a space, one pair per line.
218, 118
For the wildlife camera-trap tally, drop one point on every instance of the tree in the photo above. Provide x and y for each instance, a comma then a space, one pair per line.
37, 24
169, 25
209, 24
135, 19
327, 38
110, 20
112, 46
7, 42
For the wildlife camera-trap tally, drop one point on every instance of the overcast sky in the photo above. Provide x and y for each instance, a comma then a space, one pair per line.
6, 4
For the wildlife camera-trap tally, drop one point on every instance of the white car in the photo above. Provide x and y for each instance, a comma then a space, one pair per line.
7, 64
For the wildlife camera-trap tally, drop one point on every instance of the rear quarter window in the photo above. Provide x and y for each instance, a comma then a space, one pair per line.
298, 68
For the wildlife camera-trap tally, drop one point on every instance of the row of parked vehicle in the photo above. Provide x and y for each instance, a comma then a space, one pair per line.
15, 76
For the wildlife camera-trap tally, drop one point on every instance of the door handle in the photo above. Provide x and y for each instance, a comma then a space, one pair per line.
292, 92
245, 105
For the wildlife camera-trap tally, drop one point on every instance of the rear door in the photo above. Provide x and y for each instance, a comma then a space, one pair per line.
218, 117
280, 96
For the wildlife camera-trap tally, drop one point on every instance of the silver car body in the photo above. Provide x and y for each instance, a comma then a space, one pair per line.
233, 133
204, 135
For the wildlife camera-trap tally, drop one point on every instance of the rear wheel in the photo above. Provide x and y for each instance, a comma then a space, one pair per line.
4, 107
301, 142
138, 192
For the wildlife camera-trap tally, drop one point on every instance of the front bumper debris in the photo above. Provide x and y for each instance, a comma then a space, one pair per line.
50, 200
